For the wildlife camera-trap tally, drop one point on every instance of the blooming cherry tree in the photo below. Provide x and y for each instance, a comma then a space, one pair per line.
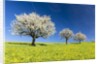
66, 33
33, 25
79, 37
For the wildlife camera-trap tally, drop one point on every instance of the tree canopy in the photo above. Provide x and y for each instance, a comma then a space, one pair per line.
33, 25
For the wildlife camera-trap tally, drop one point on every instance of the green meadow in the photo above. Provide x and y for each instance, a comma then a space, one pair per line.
16, 52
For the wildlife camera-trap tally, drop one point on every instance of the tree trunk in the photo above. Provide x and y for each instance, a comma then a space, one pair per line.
66, 41
79, 41
33, 42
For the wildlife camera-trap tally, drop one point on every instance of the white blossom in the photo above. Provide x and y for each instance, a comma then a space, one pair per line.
79, 37
66, 33
33, 25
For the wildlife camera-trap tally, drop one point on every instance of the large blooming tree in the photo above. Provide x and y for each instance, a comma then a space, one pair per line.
33, 25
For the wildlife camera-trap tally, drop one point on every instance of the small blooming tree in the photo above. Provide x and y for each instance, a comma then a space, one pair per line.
79, 37
66, 33
33, 25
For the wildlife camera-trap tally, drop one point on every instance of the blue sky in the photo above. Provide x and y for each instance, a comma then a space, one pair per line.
79, 18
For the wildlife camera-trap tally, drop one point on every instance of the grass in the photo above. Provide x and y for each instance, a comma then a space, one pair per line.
24, 52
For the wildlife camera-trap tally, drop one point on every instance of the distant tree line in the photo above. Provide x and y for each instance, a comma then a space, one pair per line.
36, 26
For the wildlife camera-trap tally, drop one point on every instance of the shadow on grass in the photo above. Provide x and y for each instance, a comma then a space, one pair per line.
40, 44
20, 43
75, 43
